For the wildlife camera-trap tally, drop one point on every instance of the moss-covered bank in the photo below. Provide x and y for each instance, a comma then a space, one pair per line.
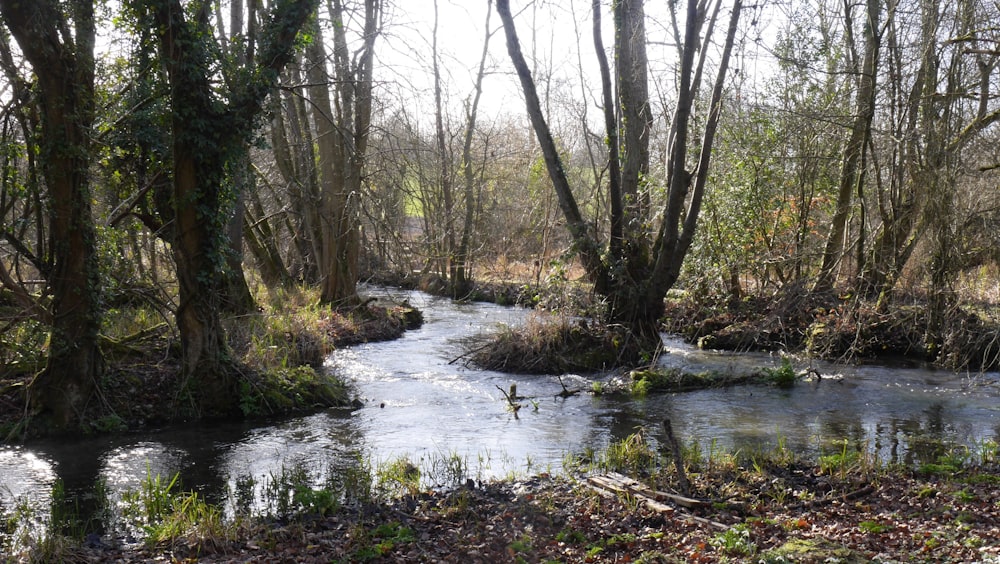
277, 365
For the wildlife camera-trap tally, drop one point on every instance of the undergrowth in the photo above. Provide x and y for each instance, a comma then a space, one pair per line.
554, 344
163, 514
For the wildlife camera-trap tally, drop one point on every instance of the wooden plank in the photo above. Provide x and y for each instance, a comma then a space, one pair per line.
605, 484
638, 487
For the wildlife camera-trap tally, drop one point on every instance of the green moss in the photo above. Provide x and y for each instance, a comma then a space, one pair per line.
290, 389
874, 527
812, 550
676, 380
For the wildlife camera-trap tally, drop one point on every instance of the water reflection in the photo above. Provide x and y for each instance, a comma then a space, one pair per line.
420, 403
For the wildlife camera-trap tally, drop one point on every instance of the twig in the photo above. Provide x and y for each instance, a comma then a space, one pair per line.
566, 392
850, 496
511, 398
678, 458
469, 353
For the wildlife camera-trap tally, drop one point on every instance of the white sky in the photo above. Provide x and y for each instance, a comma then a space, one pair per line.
404, 50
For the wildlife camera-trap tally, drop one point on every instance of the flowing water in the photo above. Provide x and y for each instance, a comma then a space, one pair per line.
423, 404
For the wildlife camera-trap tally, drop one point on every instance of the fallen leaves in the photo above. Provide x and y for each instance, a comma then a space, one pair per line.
560, 519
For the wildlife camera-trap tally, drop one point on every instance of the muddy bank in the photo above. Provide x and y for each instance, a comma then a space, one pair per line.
841, 329
790, 513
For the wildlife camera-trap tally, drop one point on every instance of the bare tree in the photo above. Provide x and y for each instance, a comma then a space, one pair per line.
344, 141
636, 278
852, 175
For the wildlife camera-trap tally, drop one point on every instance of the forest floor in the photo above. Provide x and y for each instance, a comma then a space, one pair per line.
779, 513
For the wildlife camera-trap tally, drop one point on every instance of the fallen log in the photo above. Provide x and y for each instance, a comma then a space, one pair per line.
634, 486
650, 498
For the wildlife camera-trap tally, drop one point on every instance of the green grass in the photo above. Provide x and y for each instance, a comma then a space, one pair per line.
734, 541
632, 455
161, 512
783, 376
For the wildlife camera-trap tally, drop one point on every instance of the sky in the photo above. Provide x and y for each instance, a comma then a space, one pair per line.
404, 50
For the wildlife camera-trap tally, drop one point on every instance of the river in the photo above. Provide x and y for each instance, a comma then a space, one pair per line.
422, 404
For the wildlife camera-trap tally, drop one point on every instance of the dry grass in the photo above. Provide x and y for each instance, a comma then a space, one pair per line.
552, 344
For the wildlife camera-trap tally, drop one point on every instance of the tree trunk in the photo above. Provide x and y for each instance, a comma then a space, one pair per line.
617, 240
852, 173
262, 242
345, 159
295, 156
65, 72
446, 177
205, 137
901, 208
461, 281
635, 294
672, 246
236, 296
636, 114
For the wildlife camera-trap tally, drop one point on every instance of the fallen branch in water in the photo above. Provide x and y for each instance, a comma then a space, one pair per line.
566, 392
511, 397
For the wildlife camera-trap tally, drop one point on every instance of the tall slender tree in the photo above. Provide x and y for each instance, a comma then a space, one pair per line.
343, 162
461, 278
853, 168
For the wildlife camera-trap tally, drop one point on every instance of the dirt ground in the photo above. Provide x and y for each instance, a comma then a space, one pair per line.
781, 514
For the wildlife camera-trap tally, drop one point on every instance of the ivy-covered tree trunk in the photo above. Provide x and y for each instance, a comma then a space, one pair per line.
64, 67
208, 134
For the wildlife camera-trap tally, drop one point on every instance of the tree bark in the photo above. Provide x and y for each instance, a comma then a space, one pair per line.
206, 135
64, 67
852, 173
342, 230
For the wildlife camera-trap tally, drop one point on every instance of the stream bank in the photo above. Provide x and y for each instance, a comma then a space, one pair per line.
789, 512
419, 406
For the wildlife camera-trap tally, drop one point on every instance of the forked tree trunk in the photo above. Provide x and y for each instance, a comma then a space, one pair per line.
632, 276
205, 137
